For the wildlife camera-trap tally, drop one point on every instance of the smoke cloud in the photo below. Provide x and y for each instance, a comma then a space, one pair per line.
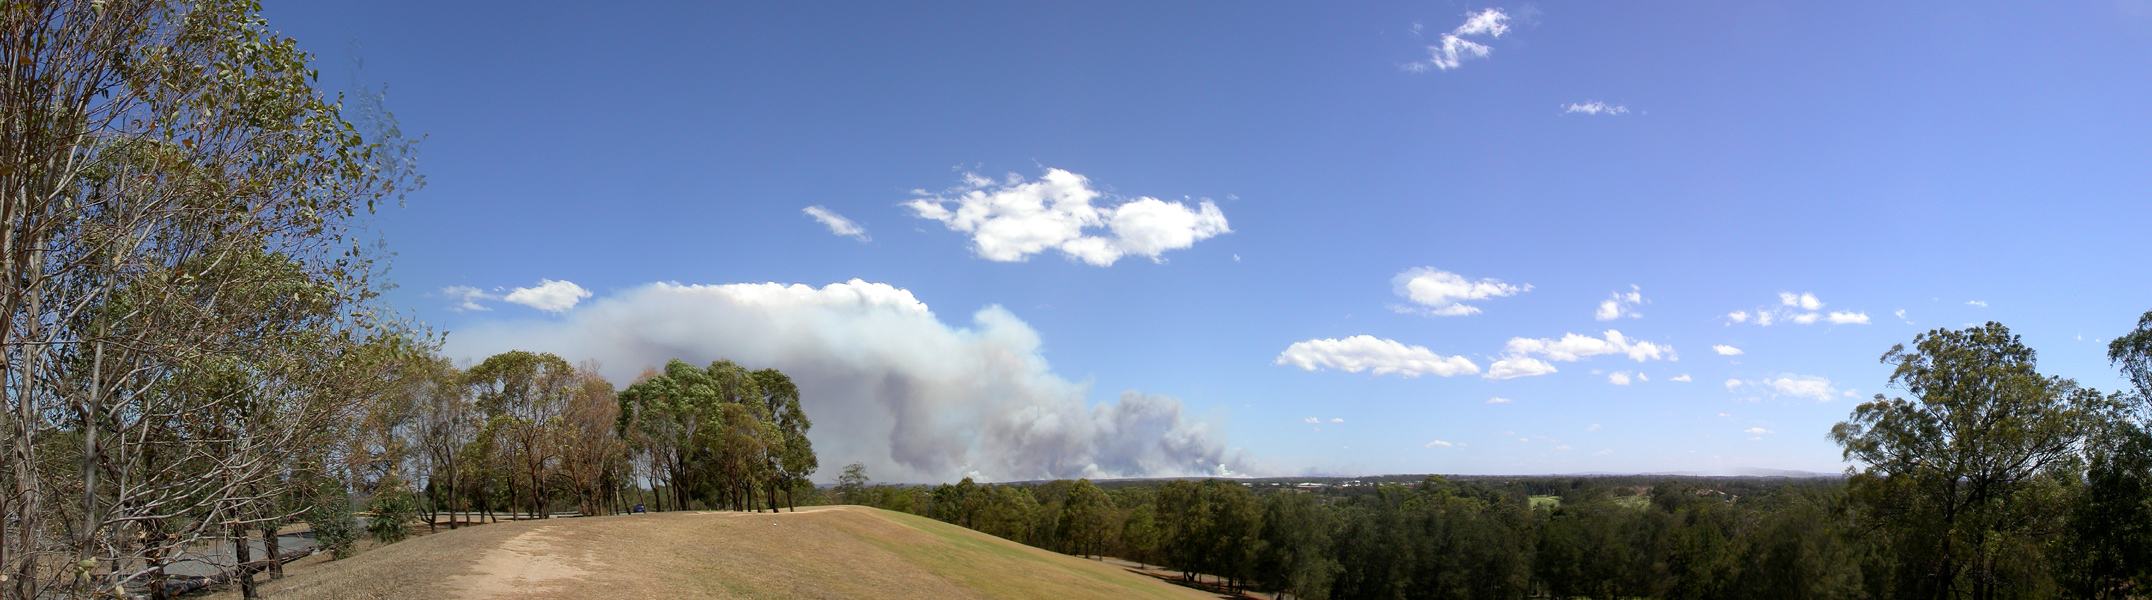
887, 383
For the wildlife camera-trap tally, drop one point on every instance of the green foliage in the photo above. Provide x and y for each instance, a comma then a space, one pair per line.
852, 484
1086, 519
1963, 476
329, 515
394, 508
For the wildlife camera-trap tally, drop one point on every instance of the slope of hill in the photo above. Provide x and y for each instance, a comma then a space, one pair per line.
822, 552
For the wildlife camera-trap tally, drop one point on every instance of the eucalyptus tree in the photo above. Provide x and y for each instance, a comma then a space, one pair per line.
711, 433
527, 394
1963, 478
2111, 520
447, 422
592, 454
1087, 518
793, 454
177, 207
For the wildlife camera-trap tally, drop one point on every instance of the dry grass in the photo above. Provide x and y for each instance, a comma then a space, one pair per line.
828, 552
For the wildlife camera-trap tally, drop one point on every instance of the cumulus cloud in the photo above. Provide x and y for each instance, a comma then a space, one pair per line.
1454, 48
889, 384
1011, 220
1618, 378
1498, 400
1683, 378
1802, 386
1756, 431
1594, 108
1369, 353
1802, 308
1977, 303
837, 224
1621, 304
1795, 386
1528, 357
1512, 367
1573, 347
1725, 350
549, 295
1444, 294
1443, 444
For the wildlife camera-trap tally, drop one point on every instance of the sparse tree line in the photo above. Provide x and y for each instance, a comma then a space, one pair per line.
1990, 480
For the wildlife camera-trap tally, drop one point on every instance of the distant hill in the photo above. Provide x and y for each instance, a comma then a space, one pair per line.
821, 552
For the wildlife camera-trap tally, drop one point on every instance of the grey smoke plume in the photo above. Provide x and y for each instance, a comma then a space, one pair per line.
887, 383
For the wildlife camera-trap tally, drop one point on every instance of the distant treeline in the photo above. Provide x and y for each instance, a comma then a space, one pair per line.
1990, 481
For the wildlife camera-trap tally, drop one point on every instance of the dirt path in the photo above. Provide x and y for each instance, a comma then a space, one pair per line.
531, 563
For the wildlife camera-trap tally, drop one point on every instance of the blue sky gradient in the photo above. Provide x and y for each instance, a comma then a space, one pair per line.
1923, 157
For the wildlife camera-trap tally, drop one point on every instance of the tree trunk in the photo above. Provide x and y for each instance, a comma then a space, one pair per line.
242, 554
276, 557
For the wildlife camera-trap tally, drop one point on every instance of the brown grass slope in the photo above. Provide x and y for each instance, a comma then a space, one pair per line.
823, 552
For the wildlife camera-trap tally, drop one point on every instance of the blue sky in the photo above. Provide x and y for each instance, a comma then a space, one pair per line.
1958, 162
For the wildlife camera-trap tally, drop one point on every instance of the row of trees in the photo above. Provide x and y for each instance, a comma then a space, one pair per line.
528, 433
1991, 480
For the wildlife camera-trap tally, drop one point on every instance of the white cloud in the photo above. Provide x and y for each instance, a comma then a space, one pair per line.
1802, 308
1442, 293
1573, 347
1725, 350
1900, 313
1561, 447
1499, 400
1621, 304
1802, 386
1797, 386
1336, 420
467, 298
836, 223
1440, 444
1618, 378
1011, 220
1594, 108
1756, 431
1977, 303
549, 295
1512, 367
1592, 427
889, 384
1455, 49
1683, 378
1369, 353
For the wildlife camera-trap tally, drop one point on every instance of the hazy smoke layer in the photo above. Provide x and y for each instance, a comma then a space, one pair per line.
887, 383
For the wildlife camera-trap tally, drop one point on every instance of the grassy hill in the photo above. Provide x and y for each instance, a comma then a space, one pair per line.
823, 552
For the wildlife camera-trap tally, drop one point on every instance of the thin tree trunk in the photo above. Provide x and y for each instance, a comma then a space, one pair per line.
276, 557
242, 554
